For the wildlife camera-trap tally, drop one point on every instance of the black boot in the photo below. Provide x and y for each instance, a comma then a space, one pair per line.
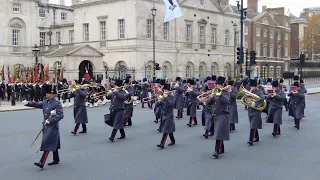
195, 122
38, 164
163, 141
206, 134
56, 159
123, 134
84, 128
129, 121
173, 141
113, 134
76, 129
190, 122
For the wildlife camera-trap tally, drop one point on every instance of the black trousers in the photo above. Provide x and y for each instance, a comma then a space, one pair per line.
297, 122
164, 138
194, 120
128, 121
179, 113
84, 127
276, 129
232, 127
254, 134
45, 156
114, 133
219, 148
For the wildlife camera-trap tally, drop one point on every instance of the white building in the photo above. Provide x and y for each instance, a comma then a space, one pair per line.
114, 38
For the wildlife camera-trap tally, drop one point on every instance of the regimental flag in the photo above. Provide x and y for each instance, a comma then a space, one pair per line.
173, 10
2, 73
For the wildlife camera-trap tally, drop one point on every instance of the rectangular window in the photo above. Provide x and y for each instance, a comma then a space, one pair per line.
213, 35
63, 16
42, 13
265, 50
201, 35
271, 51
258, 49
16, 8
286, 51
226, 37
279, 35
258, 32
246, 45
86, 32
71, 36
58, 37
15, 37
103, 33
246, 29
188, 33
166, 31
42, 38
271, 34
265, 33
279, 52
149, 28
122, 28
287, 36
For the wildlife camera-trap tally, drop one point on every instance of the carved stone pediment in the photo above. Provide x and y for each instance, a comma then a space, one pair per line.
202, 21
17, 23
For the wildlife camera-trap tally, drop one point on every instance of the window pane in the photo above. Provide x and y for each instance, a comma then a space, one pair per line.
103, 30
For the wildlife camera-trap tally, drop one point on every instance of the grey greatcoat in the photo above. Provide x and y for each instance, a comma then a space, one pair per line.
233, 110
179, 97
192, 103
221, 116
167, 105
144, 90
304, 90
208, 113
117, 108
51, 136
275, 107
255, 115
129, 107
79, 107
296, 104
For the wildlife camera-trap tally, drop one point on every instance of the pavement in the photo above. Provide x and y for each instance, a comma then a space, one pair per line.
91, 156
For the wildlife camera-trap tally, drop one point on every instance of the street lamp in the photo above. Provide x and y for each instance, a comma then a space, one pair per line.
36, 52
49, 34
154, 13
235, 45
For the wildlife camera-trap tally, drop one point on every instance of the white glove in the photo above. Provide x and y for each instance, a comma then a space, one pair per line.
47, 122
25, 102
53, 112
253, 104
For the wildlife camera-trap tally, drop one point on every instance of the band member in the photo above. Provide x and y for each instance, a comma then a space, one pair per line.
129, 102
254, 114
144, 90
233, 106
167, 106
304, 90
100, 93
157, 106
53, 113
295, 79
221, 117
179, 91
198, 86
193, 93
79, 108
297, 106
117, 97
275, 108
208, 117
284, 89
204, 109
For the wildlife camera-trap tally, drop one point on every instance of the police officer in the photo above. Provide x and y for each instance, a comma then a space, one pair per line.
297, 105
129, 102
254, 115
167, 106
118, 96
193, 93
275, 108
179, 96
79, 108
221, 117
233, 106
53, 113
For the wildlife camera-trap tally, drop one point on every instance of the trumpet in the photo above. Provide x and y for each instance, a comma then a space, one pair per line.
273, 94
74, 87
218, 91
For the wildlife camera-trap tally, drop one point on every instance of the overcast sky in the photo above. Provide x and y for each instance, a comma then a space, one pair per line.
295, 6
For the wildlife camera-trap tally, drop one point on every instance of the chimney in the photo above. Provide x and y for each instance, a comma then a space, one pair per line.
253, 5
306, 13
264, 8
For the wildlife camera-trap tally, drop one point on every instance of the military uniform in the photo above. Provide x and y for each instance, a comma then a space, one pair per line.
179, 96
233, 109
275, 108
128, 112
204, 109
117, 110
167, 106
296, 105
51, 136
144, 91
193, 94
208, 116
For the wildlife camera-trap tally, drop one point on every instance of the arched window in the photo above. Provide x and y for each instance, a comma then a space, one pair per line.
201, 72
122, 72
148, 72
213, 70
188, 71
165, 72
226, 71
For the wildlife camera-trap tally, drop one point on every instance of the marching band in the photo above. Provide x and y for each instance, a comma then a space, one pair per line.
217, 95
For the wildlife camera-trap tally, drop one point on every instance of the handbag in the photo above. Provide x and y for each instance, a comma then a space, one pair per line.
108, 120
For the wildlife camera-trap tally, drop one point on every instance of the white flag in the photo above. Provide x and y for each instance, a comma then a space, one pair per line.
173, 10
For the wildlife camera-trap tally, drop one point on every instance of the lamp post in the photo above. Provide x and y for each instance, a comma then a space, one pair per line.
154, 13
36, 52
235, 45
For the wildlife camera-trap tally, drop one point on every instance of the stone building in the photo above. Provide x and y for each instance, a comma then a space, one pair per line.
114, 38
298, 28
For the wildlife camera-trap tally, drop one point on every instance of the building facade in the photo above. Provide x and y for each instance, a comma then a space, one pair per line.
115, 38
298, 28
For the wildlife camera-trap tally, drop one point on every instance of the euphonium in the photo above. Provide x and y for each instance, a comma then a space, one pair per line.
204, 96
253, 98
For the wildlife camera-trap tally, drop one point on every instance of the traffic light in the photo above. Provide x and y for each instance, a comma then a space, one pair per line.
238, 55
253, 57
158, 66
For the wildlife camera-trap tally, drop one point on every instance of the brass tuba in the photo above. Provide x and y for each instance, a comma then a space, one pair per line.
250, 102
